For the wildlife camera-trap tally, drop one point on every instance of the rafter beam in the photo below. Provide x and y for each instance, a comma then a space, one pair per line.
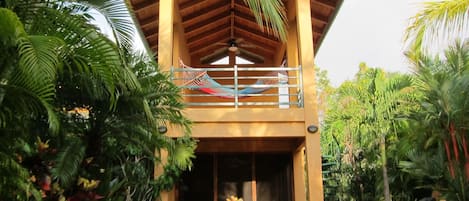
251, 21
206, 13
150, 31
217, 54
207, 33
149, 21
208, 44
325, 3
152, 39
250, 32
206, 41
189, 4
252, 56
260, 46
319, 18
202, 25
140, 7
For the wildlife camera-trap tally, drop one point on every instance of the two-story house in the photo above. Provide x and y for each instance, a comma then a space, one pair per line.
255, 110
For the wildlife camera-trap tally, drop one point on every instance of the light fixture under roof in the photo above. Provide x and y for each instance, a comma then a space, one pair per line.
233, 46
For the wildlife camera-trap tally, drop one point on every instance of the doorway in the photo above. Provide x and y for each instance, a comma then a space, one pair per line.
250, 176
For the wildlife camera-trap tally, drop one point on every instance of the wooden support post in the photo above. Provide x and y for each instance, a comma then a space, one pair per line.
165, 61
165, 35
306, 58
159, 170
254, 179
292, 49
299, 183
180, 49
215, 177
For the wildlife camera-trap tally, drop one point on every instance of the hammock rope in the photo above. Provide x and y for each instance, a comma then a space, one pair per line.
200, 80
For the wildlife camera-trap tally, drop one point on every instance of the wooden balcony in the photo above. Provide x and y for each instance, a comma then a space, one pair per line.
240, 87
222, 105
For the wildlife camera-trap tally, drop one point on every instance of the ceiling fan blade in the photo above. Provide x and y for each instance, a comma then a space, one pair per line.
221, 44
248, 45
239, 40
219, 51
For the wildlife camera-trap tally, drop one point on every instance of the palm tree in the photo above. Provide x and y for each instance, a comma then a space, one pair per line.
444, 83
436, 23
59, 68
366, 118
121, 142
27, 73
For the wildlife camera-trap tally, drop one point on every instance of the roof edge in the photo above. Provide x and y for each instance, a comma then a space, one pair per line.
139, 31
331, 21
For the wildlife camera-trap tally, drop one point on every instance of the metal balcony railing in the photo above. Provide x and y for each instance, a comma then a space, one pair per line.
240, 86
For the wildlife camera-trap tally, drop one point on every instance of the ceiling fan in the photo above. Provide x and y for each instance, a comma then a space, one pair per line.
233, 43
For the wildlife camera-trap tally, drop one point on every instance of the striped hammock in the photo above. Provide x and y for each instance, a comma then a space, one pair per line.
200, 80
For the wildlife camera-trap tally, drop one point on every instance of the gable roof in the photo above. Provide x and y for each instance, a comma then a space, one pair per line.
211, 26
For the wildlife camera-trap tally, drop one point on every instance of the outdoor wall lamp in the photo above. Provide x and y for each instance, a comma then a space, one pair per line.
312, 129
162, 129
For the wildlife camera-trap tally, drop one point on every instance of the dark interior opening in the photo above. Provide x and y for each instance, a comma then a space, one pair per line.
215, 177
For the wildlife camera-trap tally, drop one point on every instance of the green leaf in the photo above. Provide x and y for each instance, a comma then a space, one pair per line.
272, 13
68, 162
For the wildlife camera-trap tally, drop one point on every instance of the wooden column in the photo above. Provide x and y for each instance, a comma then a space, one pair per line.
176, 46
299, 183
164, 195
165, 35
180, 49
165, 61
292, 48
306, 58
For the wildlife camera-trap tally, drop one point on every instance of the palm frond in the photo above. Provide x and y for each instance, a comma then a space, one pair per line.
183, 153
12, 27
31, 96
68, 161
436, 23
39, 56
14, 180
91, 52
118, 17
273, 12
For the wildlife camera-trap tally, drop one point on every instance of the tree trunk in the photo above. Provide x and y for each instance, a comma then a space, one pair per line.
382, 145
466, 155
448, 155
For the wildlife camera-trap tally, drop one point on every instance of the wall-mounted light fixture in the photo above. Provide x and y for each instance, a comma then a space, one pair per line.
313, 129
162, 129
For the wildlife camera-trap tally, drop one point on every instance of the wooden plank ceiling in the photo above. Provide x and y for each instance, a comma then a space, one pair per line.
212, 26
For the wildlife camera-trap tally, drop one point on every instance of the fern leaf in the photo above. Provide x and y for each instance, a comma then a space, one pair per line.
68, 162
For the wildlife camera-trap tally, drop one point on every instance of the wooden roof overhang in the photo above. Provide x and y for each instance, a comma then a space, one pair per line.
210, 25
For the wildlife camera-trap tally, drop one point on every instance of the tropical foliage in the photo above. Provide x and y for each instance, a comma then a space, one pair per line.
361, 130
272, 14
79, 113
404, 131
438, 23
409, 137
442, 123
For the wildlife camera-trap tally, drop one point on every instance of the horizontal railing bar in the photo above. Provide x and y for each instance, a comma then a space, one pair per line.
244, 86
242, 77
240, 95
240, 103
239, 69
